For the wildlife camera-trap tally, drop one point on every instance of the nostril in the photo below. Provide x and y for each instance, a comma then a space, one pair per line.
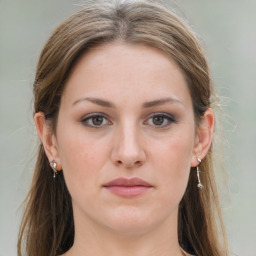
138, 163
133, 164
129, 165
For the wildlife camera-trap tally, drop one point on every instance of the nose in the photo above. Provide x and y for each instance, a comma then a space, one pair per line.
128, 148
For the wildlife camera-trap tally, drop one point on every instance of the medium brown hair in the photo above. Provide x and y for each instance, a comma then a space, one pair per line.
47, 227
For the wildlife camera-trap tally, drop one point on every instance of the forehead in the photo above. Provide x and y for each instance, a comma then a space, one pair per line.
126, 70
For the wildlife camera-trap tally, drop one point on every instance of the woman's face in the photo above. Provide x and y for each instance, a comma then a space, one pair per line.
125, 138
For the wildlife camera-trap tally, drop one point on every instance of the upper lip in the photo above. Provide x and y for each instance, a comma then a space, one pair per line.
128, 182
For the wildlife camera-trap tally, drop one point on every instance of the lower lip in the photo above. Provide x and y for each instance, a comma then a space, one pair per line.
128, 191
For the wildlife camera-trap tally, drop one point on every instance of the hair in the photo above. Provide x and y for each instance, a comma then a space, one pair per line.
47, 227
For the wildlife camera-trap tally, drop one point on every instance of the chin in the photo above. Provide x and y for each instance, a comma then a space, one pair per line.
133, 221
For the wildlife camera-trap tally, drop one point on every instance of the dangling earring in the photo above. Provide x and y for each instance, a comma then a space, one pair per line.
54, 168
199, 185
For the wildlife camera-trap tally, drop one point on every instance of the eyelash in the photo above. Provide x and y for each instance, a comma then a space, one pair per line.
90, 117
167, 117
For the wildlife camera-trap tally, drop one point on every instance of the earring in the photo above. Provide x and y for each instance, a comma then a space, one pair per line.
54, 168
199, 185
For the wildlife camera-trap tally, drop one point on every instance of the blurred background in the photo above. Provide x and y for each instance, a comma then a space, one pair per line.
228, 32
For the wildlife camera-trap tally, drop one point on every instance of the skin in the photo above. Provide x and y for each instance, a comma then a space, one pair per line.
128, 142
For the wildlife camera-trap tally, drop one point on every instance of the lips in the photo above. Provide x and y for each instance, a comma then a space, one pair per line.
128, 182
128, 187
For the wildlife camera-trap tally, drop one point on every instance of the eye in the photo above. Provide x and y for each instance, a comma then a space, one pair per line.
95, 121
161, 120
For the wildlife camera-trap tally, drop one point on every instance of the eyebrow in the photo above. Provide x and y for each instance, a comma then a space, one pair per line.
97, 101
108, 104
160, 102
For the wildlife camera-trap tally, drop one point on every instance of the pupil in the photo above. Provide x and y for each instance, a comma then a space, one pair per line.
158, 120
97, 120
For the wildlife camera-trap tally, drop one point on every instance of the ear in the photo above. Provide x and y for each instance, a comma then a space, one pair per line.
203, 138
48, 138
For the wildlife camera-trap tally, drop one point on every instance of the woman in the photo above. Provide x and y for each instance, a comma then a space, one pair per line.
123, 109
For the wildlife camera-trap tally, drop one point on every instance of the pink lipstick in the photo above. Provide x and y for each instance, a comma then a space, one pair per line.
128, 187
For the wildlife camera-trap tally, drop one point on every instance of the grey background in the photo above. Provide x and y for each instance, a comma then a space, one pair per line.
228, 32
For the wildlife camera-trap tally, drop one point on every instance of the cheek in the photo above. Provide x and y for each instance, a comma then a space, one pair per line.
172, 159
81, 159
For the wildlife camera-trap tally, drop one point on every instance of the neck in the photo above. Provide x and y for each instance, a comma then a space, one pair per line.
94, 240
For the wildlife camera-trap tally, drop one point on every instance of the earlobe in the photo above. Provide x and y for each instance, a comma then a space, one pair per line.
204, 136
47, 137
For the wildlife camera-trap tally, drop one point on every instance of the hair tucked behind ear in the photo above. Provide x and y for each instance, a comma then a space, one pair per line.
47, 228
